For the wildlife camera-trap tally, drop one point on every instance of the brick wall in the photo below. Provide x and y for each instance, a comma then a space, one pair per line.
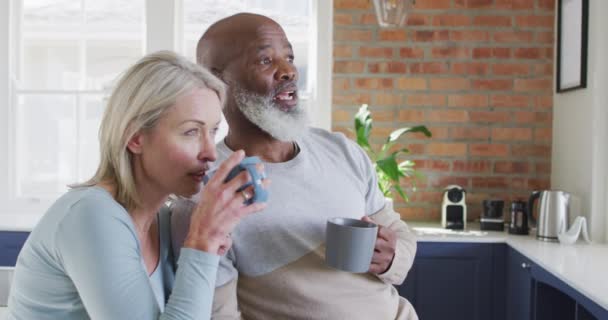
478, 73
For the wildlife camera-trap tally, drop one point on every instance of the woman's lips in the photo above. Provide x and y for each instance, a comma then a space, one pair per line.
198, 176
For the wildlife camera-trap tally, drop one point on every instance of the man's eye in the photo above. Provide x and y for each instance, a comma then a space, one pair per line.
266, 61
291, 58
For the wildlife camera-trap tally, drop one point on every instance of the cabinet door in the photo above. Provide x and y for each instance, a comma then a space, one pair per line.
556, 300
10, 245
451, 281
519, 286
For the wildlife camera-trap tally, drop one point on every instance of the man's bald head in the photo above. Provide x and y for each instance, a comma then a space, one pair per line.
227, 38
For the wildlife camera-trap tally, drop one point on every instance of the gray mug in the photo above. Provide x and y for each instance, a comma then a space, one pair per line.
350, 244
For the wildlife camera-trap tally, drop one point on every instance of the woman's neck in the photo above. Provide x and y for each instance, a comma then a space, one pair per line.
143, 215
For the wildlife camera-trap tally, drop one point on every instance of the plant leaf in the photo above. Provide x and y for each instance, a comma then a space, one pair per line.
394, 136
397, 133
363, 126
389, 167
401, 193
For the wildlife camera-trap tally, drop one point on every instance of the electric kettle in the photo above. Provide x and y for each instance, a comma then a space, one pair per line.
553, 213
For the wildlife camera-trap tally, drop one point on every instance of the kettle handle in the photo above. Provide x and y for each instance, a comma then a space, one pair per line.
535, 195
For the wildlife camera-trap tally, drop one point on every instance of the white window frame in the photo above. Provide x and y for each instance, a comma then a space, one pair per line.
158, 37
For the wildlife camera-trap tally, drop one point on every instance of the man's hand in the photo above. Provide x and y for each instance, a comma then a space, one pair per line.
384, 250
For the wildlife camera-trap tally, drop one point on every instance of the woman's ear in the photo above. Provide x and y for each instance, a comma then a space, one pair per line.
135, 143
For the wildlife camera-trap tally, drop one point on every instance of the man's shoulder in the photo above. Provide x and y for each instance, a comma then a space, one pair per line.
321, 138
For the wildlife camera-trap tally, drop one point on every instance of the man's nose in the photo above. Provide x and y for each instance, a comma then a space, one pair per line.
286, 72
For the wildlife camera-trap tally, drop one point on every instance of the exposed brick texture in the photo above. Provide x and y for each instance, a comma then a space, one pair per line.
477, 73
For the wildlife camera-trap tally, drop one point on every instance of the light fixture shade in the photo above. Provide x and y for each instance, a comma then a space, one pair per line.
392, 13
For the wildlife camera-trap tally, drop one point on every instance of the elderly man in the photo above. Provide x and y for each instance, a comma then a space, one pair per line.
276, 265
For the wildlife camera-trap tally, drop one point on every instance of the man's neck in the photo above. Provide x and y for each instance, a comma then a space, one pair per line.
262, 145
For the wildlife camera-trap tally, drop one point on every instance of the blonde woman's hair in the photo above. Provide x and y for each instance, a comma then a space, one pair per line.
142, 95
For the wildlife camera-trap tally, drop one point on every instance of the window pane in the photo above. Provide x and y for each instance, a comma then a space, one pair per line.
294, 16
114, 33
125, 16
50, 65
51, 15
107, 59
45, 144
91, 114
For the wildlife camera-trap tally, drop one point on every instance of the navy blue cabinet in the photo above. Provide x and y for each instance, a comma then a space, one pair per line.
519, 286
457, 281
11, 243
553, 299
489, 281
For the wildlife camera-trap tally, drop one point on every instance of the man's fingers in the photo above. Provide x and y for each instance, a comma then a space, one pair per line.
385, 233
367, 219
376, 268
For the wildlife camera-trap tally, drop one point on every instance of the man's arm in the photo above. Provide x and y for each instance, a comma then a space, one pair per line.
405, 249
225, 305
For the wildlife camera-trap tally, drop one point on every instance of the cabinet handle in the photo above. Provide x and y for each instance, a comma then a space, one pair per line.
525, 265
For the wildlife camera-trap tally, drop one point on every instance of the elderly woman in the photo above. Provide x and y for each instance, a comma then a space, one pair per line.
102, 250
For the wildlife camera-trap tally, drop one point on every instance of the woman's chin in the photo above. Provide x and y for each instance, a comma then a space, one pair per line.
190, 192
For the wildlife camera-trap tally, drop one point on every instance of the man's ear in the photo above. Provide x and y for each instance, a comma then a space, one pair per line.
135, 143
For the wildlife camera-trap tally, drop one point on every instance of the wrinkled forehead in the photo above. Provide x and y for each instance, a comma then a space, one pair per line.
264, 36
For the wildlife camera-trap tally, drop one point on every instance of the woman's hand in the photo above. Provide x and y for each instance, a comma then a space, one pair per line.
221, 207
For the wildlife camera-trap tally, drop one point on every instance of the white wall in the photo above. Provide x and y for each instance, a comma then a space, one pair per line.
580, 149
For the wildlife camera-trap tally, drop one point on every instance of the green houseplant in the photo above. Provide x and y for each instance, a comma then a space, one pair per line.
389, 171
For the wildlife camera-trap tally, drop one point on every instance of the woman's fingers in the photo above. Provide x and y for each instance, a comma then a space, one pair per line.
225, 168
241, 197
237, 182
225, 246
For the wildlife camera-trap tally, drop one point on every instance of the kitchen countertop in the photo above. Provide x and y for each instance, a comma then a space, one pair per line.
18, 222
579, 265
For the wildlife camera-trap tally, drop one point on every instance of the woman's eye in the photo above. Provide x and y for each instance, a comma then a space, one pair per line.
214, 131
192, 132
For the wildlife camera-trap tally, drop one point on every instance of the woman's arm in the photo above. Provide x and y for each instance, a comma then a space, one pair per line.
99, 251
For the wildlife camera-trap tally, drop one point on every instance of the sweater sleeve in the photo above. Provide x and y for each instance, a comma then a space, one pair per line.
99, 251
405, 251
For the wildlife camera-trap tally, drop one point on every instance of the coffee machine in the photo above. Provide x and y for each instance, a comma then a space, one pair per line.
492, 217
454, 208
519, 218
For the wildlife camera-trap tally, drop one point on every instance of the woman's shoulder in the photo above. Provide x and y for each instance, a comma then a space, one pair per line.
85, 206
93, 203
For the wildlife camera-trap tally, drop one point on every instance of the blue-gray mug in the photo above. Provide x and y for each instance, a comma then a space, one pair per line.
350, 244
249, 163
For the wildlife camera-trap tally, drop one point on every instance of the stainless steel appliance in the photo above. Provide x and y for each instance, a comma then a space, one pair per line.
553, 213
492, 217
454, 208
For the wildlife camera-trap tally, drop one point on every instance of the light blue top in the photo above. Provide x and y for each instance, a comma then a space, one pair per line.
83, 260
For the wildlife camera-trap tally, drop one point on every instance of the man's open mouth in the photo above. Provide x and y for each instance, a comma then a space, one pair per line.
287, 95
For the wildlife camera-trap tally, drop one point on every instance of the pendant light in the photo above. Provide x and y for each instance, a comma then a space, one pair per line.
392, 13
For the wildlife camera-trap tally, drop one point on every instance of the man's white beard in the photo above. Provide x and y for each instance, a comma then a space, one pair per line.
261, 111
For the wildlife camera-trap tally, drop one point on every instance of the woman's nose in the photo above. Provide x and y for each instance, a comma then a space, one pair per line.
208, 151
